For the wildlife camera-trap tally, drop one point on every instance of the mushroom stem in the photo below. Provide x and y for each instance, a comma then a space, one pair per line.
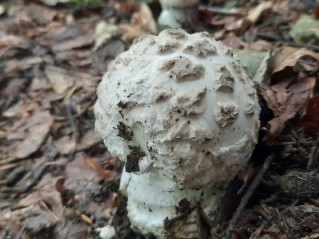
157, 205
176, 13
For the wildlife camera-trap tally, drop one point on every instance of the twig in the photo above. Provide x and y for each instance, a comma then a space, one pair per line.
314, 155
87, 107
247, 196
226, 11
73, 126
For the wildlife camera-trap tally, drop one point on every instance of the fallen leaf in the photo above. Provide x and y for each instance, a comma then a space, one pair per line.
70, 229
60, 79
61, 33
36, 131
40, 14
21, 64
288, 57
46, 203
305, 29
142, 23
9, 42
54, 2
90, 139
2, 9
286, 103
103, 33
78, 42
255, 13
252, 17
76, 58
310, 121
256, 62
65, 145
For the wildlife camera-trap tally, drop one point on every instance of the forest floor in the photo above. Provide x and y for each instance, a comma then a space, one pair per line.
57, 179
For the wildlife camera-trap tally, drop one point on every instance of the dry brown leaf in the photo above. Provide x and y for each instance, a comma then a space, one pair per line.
21, 64
76, 58
40, 14
49, 201
65, 145
60, 79
103, 174
36, 129
78, 42
103, 33
286, 103
255, 13
310, 121
142, 23
90, 139
252, 17
11, 41
288, 57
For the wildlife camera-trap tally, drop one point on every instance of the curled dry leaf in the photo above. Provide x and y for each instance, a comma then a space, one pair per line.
11, 41
23, 64
59, 79
36, 130
288, 57
78, 42
41, 14
310, 121
142, 23
103, 33
252, 17
286, 103
67, 145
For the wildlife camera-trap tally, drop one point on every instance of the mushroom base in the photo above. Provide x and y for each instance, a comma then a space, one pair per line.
156, 205
178, 17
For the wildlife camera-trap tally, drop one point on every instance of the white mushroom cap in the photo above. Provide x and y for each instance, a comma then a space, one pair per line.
177, 3
180, 104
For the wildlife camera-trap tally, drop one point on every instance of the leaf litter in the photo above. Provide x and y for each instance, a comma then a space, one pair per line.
57, 179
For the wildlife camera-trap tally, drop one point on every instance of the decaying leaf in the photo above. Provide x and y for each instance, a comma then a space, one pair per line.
54, 2
41, 14
142, 23
21, 64
286, 102
252, 17
60, 79
78, 42
288, 57
305, 29
67, 144
103, 33
36, 129
310, 121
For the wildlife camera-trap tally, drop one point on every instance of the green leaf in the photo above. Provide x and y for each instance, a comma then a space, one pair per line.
305, 29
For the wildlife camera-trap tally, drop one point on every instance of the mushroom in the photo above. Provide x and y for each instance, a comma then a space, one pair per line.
178, 13
180, 110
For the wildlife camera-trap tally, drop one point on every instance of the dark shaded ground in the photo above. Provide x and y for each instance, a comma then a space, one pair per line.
56, 178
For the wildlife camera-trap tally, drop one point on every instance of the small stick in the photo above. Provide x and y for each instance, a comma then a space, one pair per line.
226, 11
247, 196
314, 155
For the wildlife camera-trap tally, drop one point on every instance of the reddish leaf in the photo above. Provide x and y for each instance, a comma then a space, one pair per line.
286, 102
310, 121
